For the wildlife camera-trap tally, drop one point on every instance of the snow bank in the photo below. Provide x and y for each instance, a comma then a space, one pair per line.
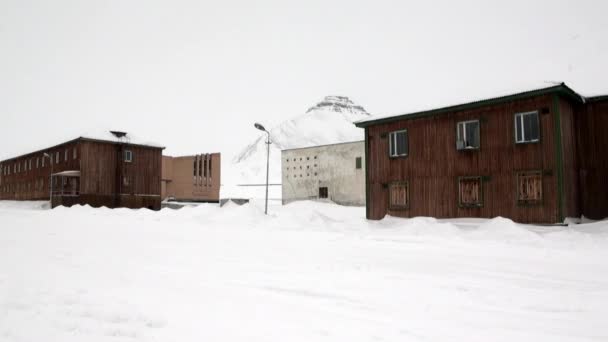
308, 271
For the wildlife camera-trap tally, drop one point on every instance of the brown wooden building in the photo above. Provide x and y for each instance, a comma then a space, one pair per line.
111, 171
535, 157
191, 178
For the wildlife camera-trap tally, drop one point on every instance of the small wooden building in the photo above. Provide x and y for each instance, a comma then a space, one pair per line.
535, 157
111, 171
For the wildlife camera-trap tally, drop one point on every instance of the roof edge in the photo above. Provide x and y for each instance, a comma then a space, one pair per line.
597, 98
77, 139
324, 145
561, 88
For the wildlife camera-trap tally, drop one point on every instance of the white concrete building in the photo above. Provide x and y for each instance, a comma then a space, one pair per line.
334, 172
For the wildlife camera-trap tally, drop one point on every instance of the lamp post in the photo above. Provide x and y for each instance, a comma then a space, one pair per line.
46, 155
261, 128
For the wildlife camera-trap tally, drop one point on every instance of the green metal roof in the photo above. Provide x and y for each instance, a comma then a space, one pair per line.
561, 89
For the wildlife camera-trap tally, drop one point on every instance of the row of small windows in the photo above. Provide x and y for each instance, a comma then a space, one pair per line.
358, 165
301, 159
470, 191
37, 162
307, 166
526, 127
301, 175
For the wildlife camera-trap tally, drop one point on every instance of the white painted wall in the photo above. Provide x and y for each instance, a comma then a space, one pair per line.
305, 170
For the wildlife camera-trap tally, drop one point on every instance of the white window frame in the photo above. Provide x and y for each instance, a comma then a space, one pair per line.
56, 157
128, 153
464, 131
523, 133
392, 139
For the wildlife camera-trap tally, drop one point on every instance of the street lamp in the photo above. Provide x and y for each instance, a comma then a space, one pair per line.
261, 128
46, 155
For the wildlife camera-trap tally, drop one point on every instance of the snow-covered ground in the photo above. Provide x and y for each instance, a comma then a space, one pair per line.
307, 272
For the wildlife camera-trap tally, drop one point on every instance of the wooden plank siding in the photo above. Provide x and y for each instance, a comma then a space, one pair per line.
33, 184
592, 142
570, 160
434, 164
105, 178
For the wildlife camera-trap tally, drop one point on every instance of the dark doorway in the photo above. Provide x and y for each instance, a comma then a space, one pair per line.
323, 192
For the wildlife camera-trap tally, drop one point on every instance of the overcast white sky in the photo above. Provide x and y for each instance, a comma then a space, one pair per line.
195, 75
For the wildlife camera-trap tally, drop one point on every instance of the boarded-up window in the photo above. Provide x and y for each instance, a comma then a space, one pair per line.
323, 192
470, 193
399, 195
529, 187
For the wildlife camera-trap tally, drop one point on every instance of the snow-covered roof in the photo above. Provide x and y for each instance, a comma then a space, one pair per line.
97, 135
485, 98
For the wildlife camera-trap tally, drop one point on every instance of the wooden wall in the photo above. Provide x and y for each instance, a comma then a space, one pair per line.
33, 184
104, 173
106, 180
592, 140
434, 164
571, 205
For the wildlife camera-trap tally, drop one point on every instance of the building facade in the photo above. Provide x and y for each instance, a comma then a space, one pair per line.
97, 172
534, 157
191, 178
333, 172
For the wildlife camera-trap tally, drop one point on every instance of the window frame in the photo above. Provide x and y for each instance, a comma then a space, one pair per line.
465, 122
390, 142
522, 114
521, 202
128, 153
481, 197
399, 207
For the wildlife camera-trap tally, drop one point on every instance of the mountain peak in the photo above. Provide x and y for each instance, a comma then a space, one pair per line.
338, 104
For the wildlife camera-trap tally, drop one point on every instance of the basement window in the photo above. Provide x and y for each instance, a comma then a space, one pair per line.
470, 192
398, 145
467, 135
128, 156
529, 187
399, 195
527, 127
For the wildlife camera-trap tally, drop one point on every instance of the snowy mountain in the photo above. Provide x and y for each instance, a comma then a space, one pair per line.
328, 122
